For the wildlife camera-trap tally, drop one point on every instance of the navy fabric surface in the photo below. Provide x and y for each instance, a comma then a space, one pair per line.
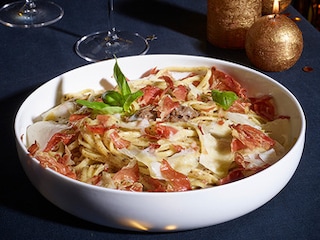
30, 57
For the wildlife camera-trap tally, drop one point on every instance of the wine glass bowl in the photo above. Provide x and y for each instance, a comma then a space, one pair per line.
29, 13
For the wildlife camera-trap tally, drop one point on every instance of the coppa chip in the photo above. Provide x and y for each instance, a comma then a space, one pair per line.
174, 129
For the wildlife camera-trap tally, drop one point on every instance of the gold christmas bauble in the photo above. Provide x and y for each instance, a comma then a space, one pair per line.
267, 6
274, 43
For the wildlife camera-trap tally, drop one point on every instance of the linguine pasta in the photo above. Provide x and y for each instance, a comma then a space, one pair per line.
178, 135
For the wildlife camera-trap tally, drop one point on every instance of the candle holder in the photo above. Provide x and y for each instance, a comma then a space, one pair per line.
274, 43
229, 20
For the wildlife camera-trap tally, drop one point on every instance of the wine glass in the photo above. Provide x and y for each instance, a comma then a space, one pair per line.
110, 43
30, 13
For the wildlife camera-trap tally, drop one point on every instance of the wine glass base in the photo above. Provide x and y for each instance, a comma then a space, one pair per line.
15, 14
106, 45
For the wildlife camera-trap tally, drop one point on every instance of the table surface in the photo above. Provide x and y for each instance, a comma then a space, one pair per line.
30, 57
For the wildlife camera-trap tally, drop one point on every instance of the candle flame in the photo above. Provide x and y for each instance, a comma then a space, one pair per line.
276, 6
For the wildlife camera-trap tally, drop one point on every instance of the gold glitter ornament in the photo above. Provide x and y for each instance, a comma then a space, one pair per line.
274, 43
229, 20
267, 6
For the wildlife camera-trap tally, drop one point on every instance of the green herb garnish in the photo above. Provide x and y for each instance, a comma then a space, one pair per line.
224, 98
114, 101
100, 107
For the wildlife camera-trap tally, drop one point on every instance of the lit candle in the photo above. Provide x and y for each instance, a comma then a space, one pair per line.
274, 42
229, 20
267, 6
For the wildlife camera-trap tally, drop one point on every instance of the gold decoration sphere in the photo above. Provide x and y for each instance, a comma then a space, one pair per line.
274, 43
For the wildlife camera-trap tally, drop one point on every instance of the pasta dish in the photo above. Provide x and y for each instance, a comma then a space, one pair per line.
173, 129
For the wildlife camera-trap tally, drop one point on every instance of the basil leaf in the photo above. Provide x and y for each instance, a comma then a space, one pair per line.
130, 99
100, 107
113, 98
224, 98
113, 101
121, 80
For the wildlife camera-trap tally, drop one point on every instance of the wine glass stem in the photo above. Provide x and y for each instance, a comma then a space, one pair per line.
28, 8
111, 25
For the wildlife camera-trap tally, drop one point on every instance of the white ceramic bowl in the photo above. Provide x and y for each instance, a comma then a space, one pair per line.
158, 211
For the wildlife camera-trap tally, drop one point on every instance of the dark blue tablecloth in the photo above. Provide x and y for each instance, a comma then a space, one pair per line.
30, 57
